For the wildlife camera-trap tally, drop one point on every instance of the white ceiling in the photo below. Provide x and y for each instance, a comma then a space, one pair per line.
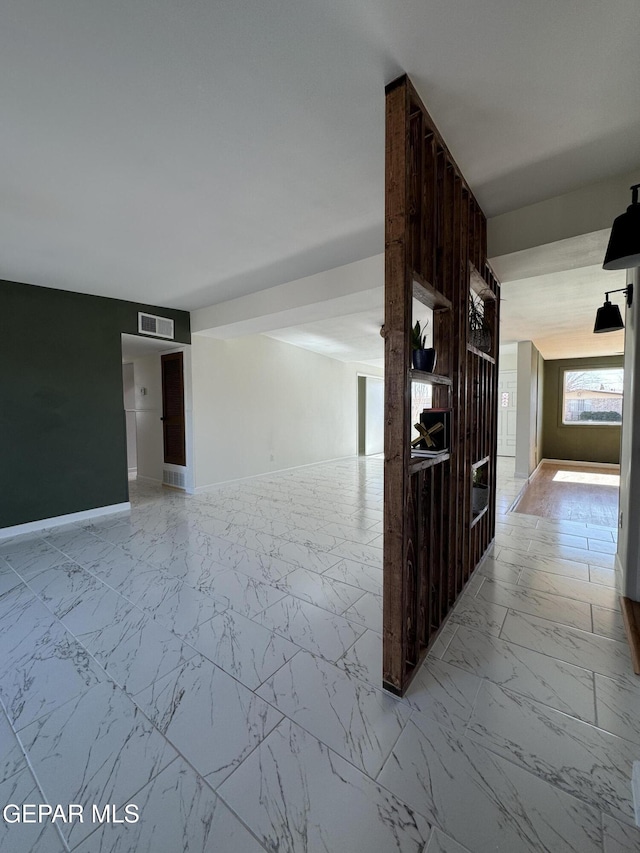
351, 337
137, 346
557, 312
550, 295
181, 154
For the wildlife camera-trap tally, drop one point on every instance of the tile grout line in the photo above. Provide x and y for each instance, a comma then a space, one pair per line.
32, 771
412, 712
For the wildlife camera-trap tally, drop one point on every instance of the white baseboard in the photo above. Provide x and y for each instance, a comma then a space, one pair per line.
580, 464
198, 489
60, 520
536, 470
149, 480
518, 497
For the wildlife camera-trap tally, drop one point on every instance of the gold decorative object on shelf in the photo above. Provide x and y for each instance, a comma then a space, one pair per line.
426, 434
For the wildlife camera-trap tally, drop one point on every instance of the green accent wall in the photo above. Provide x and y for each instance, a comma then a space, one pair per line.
580, 443
62, 424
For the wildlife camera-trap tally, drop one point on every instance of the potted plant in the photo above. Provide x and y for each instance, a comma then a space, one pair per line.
424, 358
480, 496
479, 333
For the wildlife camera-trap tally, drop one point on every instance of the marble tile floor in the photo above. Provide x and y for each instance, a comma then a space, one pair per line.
215, 659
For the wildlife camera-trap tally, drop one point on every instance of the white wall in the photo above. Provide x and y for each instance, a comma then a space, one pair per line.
261, 405
508, 357
628, 556
529, 414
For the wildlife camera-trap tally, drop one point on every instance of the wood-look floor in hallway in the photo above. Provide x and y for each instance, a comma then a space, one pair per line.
573, 493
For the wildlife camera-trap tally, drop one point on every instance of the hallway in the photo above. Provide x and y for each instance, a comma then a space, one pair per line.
216, 661
566, 492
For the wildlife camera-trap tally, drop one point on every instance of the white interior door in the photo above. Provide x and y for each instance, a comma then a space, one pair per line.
507, 384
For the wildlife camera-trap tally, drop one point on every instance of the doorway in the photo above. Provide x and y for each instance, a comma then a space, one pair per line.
507, 407
370, 415
157, 403
128, 388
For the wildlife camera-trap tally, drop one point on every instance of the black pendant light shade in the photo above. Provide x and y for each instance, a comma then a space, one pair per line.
608, 318
623, 251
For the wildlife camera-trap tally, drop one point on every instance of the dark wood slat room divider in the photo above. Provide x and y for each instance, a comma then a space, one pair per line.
435, 263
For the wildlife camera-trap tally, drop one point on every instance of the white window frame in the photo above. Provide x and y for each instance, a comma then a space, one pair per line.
584, 423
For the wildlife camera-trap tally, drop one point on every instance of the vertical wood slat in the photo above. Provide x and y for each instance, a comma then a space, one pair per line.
463, 530
415, 165
397, 395
470, 454
441, 319
438, 220
441, 542
428, 238
434, 228
458, 285
412, 579
449, 282
429, 588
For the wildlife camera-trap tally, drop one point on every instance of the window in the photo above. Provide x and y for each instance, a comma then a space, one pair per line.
592, 397
421, 398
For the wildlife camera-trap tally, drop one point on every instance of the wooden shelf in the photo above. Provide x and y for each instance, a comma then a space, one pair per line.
479, 285
476, 518
421, 463
431, 378
480, 463
426, 293
481, 354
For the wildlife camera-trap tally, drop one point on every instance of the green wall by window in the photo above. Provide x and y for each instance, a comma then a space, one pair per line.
583, 443
62, 428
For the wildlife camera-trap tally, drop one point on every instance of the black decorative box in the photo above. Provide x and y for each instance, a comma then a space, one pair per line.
436, 430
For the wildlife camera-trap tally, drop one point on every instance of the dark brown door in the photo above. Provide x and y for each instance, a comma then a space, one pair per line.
173, 409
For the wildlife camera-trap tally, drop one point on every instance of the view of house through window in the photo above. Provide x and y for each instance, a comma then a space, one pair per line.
592, 396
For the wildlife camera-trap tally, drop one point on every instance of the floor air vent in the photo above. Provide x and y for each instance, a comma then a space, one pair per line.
173, 478
159, 327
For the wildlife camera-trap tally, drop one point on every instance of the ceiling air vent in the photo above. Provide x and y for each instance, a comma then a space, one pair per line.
159, 327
